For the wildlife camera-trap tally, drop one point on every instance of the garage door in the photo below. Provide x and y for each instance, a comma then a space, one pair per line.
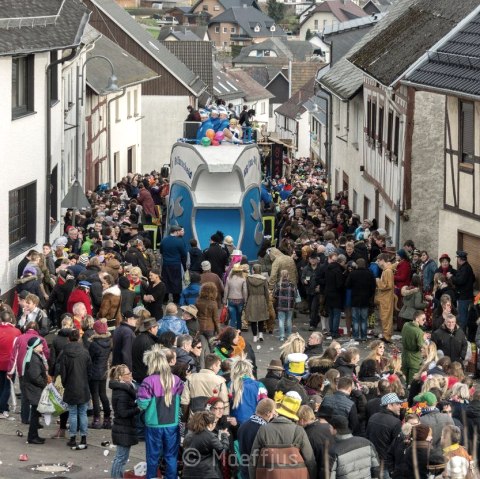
471, 244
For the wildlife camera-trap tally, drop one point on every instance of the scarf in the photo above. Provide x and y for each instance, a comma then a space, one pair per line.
28, 355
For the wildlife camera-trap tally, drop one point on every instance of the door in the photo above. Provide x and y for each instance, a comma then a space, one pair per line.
471, 244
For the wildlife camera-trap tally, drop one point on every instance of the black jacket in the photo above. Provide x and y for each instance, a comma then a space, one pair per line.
196, 258
99, 349
473, 418
135, 257
320, 276
288, 383
143, 342
35, 379
464, 281
96, 291
59, 295
123, 338
322, 441
315, 350
382, 429
334, 286
203, 449
124, 429
58, 343
344, 368
155, 308
75, 370
218, 258
452, 343
342, 405
270, 381
362, 283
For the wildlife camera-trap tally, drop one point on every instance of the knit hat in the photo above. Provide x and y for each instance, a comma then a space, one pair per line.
29, 270
206, 266
427, 397
420, 432
32, 344
296, 364
390, 398
83, 259
100, 326
290, 405
402, 253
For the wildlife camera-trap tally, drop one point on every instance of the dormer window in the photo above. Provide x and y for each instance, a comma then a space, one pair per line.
256, 28
272, 28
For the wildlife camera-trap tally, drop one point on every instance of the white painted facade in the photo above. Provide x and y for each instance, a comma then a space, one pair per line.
316, 22
298, 131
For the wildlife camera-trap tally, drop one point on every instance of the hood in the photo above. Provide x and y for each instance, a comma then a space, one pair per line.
74, 350
275, 253
25, 279
64, 332
121, 385
342, 363
256, 279
103, 340
115, 290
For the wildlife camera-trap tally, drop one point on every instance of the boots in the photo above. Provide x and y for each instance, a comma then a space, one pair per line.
72, 442
83, 443
107, 423
96, 424
60, 434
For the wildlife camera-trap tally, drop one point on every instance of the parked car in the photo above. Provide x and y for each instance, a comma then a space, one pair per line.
167, 20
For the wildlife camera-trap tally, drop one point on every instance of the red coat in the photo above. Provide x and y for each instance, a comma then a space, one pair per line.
403, 274
79, 296
8, 333
145, 199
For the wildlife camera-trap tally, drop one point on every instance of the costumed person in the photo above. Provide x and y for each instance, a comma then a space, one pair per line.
385, 296
233, 133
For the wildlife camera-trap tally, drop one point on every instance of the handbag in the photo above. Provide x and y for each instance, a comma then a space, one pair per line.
298, 298
224, 315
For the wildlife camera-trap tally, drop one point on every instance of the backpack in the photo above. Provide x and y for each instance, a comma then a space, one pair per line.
281, 462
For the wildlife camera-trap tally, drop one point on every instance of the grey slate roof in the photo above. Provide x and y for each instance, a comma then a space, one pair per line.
225, 86
294, 50
230, 3
253, 90
247, 18
296, 103
128, 70
190, 33
389, 54
159, 52
455, 64
344, 79
57, 25
340, 9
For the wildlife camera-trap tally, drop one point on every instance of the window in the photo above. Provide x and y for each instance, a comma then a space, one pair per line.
373, 122
466, 132
366, 207
355, 201
22, 85
216, 8
54, 195
315, 24
262, 108
369, 118
225, 29
380, 127
117, 109
217, 29
135, 103
116, 165
22, 218
390, 131
233, 30
205, 8
388, 226
397, 136
53, 78
129, 101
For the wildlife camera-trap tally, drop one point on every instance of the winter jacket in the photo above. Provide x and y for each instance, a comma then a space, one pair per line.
58, 343
464, 281
203, 450
111, 306
308, 279
123, 338
412, 302
322, 442
202, 386
19, 350
383, 427
428, 272
235, 288
334, 286
151, 399
452, 343
190, 294
354, 458
173, 251
473, 418
155, 308
99, 349
112, 267
344, 368
79, 296
282, 431
436, 421
403, 274
289, 383
136, 258
320, 365
253, 392
124, 428
196, 258
8, 334
343, 406
209, 277
142, 343
218, 258
207, 315
270, 381
75, 371
185, 358
412, 343
39, 317
284, 294
258, 298
35, 379
246, 434
128, 300
362, 283
145, 200
313, 350
173, 324
281, 262
60, 294
424, 455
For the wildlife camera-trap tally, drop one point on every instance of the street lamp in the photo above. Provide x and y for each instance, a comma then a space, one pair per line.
112, 87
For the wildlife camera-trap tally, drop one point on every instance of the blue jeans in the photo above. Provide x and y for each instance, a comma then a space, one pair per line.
359, 323
119, 461
235, 312
334, 320
162, 442
285, 317
4, 391
77, 414
462, 306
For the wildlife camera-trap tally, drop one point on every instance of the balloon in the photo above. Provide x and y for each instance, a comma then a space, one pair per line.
219, 136
206, 141
210, 134
215, 143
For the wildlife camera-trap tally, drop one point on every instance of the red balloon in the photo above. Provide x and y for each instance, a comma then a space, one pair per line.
215, 143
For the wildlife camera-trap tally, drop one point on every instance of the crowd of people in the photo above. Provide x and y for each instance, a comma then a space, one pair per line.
161, 325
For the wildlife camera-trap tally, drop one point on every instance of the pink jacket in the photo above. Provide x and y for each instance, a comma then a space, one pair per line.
8, 334
20, 350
